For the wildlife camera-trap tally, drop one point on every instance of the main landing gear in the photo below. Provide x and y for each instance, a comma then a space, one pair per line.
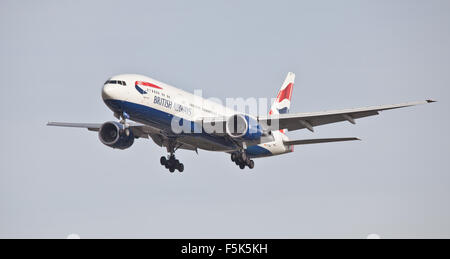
172, 163
241, 159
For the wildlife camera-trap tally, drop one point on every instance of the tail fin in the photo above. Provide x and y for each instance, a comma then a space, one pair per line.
283, 102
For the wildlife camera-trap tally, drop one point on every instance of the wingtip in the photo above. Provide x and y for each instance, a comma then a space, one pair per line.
431, 101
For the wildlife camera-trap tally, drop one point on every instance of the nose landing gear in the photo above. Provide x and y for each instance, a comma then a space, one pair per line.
242, 160
123, 117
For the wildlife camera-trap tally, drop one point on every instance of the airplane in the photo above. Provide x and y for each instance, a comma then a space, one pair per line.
147, 108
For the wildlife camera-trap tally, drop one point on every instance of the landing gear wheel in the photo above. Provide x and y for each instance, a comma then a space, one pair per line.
171, 169
247, 162
233, 157
180, 167
163, 160
243, 156
242, 166
251, 164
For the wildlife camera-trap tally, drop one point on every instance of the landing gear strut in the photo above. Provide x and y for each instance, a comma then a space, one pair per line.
241, 159
171, 162
123, 120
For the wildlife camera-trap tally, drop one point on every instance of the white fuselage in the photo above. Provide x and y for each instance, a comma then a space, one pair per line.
155, 103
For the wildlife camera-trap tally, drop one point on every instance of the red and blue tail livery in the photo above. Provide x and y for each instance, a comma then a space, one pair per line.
282, 103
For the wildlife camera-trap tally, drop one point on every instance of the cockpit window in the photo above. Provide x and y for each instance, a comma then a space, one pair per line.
115, 82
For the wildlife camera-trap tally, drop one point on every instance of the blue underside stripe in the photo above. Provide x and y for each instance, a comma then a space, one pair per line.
163, 120
257, 151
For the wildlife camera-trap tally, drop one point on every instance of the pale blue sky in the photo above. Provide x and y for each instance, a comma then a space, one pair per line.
55, 56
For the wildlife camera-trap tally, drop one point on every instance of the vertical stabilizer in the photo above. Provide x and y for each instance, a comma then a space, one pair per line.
283, 101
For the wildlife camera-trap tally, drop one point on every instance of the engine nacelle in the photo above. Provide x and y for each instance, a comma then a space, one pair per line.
243, 127
113, 134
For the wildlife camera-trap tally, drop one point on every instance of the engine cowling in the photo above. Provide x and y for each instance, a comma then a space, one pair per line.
243, 127
113, 134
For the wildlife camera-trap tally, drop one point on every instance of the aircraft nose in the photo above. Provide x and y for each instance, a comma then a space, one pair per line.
107, 92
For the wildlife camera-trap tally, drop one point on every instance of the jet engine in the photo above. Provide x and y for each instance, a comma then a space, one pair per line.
115, 135
243, 127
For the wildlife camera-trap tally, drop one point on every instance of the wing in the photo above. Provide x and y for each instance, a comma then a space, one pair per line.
139, 130
89, 126
318, 141
310, 120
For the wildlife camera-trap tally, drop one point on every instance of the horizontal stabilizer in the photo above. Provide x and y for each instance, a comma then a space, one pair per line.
318, 141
